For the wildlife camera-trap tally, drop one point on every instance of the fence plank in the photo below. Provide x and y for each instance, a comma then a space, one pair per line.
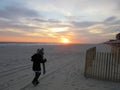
117, 71
111, 67
102, 65
100, 62
104, 70
97, 65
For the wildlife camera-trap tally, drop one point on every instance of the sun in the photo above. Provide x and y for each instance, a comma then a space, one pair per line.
65, 40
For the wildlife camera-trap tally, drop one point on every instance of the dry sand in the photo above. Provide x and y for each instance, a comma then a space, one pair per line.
65, 68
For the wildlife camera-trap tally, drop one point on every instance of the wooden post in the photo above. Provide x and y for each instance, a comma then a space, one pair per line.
90, 56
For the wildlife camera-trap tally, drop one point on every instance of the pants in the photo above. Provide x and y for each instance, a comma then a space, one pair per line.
37, 75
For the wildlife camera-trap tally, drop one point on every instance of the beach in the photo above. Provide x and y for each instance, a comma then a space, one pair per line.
64, 68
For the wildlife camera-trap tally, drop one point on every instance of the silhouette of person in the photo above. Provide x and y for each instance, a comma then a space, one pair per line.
38, 59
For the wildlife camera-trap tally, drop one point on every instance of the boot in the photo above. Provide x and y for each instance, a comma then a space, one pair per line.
35, 80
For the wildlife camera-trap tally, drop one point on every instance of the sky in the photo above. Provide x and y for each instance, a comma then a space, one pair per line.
73, 21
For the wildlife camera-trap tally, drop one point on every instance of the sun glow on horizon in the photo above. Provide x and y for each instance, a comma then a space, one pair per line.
65, 40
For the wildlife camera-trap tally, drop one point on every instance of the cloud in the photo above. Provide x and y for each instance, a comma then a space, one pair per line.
15, 12
96, 31
47, 21
90, 20
110, 19
12, 32
118, 5
83, 24
16, 25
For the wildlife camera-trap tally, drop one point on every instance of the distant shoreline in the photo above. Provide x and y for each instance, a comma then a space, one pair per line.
27, 43
38, 43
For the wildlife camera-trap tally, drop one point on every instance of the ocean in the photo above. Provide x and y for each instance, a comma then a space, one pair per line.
27, 43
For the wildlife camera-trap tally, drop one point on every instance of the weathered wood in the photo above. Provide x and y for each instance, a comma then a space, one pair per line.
103, 65
90, 55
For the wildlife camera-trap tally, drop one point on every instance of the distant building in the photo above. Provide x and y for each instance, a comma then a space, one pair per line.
115, 42
118, 36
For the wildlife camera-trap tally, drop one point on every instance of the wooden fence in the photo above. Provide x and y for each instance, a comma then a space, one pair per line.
103, 65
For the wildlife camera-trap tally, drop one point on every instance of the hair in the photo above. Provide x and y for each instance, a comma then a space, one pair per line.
40, 50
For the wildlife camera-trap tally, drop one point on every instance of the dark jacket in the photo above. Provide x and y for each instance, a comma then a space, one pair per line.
37, 59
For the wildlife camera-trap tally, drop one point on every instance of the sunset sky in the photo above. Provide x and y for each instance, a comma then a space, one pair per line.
72, 21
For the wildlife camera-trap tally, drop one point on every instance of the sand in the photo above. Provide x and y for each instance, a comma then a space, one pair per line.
65, 68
